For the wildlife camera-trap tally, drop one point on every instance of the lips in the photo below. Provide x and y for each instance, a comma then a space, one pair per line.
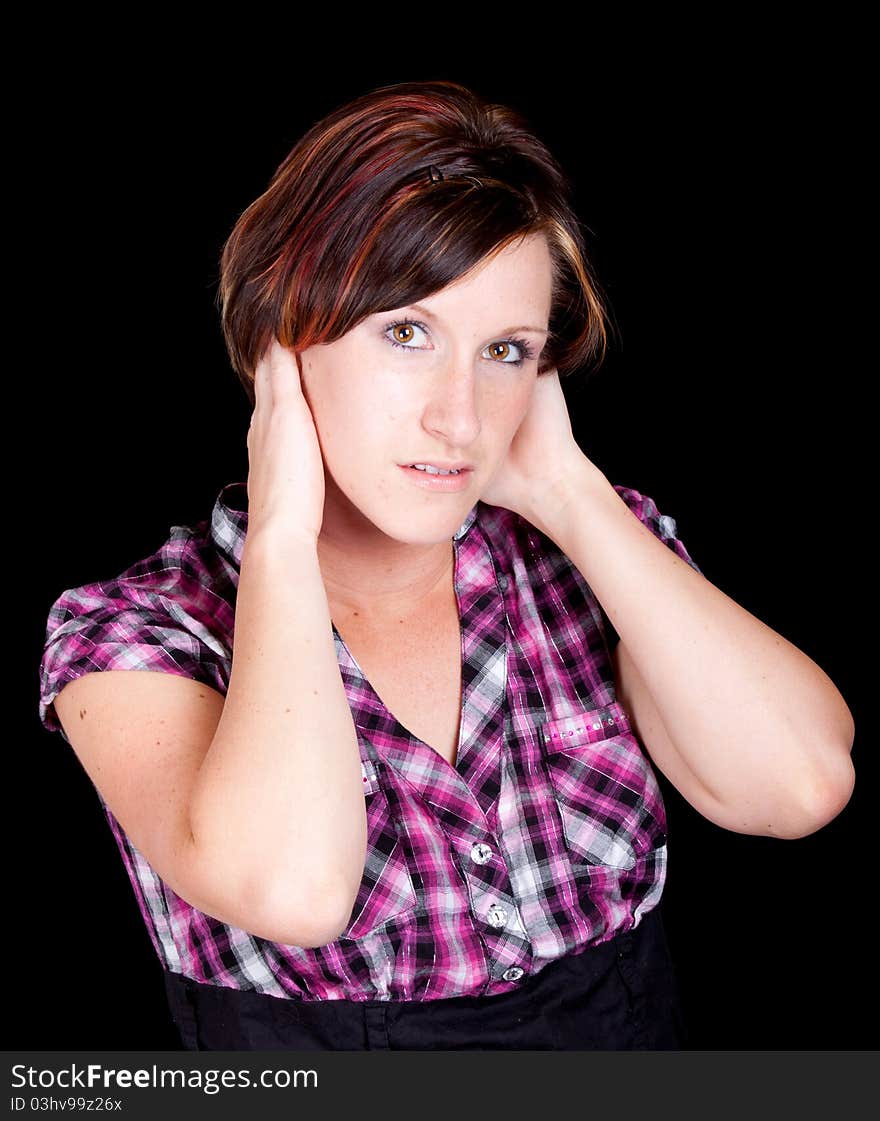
430, 469
428, 480
440, 464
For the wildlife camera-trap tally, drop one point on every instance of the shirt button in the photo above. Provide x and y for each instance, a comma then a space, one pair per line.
480, 853
502, 583
512, 974
497, 915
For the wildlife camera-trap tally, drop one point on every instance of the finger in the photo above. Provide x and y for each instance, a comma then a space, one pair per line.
262, 388
285, 370
283, 359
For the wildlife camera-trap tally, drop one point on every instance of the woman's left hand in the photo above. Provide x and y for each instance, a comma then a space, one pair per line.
543, 456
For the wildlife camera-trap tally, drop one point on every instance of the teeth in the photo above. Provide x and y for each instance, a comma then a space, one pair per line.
434, 470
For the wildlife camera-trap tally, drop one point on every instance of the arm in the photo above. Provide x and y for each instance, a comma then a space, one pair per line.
250, 807
745, 725
741, 812
279, 794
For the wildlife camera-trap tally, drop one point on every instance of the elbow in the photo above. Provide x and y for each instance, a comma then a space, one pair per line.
295, 906
310, 923
784, 814
825, 798
306, 934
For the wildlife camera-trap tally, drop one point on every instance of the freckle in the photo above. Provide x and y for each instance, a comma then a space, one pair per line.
287, 710
355, 612
82, 713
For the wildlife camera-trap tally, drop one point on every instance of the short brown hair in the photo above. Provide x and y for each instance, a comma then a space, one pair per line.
388, 199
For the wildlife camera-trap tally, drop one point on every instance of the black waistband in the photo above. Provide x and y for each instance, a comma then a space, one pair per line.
619, 995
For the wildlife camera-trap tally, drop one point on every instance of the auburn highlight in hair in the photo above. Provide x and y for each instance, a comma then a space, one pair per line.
387, 200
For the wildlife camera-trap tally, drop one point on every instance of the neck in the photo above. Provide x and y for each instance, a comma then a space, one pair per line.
368, 573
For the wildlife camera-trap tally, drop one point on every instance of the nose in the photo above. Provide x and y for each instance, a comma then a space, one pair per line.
452, 411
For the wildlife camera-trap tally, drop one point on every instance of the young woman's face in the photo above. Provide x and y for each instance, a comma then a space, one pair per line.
444, 384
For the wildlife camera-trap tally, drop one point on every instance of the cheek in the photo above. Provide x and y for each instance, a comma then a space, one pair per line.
333, 407
361, 430
511, 407
525, 401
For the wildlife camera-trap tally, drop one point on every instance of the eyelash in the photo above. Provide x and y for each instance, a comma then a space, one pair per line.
526, 351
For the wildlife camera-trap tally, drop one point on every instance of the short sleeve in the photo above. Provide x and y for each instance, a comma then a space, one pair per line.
164, 614
663, 526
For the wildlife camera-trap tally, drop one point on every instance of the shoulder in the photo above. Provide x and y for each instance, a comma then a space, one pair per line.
510, 535
196, 563
185, 572
546, 590
664, 526
171, 611
556, 583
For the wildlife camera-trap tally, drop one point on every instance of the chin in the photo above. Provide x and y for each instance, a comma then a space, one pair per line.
425, 525
422, 530
407, 520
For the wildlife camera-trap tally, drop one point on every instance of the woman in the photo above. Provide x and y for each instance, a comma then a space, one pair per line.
388, 785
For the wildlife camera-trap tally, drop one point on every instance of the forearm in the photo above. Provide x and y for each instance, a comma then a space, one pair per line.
755, 719
279, 796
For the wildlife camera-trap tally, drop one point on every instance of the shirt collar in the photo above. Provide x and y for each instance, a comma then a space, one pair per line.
229, 521
466, 524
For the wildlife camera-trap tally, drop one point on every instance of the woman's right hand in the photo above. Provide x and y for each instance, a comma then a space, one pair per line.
285, 484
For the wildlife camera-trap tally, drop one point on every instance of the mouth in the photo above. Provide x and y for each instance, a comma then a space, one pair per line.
436, 469
434, 477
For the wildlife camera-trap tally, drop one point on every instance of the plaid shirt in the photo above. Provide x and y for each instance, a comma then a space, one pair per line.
548, 836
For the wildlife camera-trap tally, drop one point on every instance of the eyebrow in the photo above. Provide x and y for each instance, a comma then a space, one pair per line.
503, 331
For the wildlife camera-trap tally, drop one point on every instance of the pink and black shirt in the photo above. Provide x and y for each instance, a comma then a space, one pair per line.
547, 837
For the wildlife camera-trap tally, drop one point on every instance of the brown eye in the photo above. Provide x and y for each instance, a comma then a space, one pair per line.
500, 350
403, 332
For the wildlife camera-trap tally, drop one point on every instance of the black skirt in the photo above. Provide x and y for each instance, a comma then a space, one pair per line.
622, 995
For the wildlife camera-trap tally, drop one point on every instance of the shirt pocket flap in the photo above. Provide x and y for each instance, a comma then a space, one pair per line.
608, 798
590, 726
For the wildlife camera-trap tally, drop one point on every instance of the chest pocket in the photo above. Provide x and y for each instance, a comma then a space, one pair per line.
386, 892
608, 799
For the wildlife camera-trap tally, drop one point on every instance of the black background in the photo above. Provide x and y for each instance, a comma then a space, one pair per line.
722, 199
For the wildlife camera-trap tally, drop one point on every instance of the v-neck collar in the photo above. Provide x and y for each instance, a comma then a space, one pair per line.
475, 777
